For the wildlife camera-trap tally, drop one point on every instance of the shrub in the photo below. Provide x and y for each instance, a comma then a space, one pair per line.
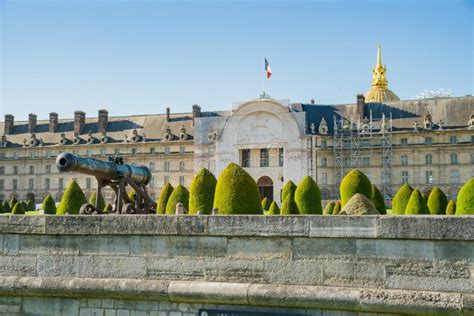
274, 209
30, 206
355, 182
13, 201
2, 209
329, 208
6, 207
108, 207
201, 192
465, 201
131, 195
265, 204
18, 209
359, 205
72, 200
289, 187
400, 200
437, 202
289, 206
25, 206
237, 192
337, 208
451, 208
308, 197
377, 199
101, 201
49, 206
417, 204
179, 195
163, 199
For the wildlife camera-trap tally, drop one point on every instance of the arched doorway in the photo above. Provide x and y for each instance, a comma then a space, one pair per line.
265, 186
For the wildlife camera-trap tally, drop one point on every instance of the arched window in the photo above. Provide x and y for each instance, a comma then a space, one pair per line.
454, 158
181, 166
428, 159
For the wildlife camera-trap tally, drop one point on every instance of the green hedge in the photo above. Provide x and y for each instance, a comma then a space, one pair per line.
18, 209
400, 200
289, 188
237, 192
465, 201
329, 208
417, 204
337, 208
163, 199
437, 202
451, 208
73, 199
274, 209
265, 204
202, 190
355, 182
179, 195
12, 202
289, 206
49, 206
377, 199
6, 207
101, 201
308, 197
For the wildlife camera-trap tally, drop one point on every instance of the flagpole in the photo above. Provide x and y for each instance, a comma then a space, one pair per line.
264, 75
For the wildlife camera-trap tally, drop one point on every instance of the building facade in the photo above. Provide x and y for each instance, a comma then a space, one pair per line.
427, 143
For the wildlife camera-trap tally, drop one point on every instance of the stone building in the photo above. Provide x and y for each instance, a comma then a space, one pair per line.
427, 143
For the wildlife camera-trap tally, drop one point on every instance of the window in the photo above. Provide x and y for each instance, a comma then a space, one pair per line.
453, 140
429, 177
245, 158
181, 166
152, 166
404, 141
181, 150
404, 160
428, 141
117, 151
88, 153
181, 180
324, 143
454, 177
167, 150
472, 159
2, 184
166, 180
48, 169
365, 161
61, 183
264, 157
2, 155
134, 151
428, 159
32, 169
167, 166
47, 184
347, 161
280, 157
31, 184
103, 152
2, 170
152, 150
472, 139
15, 169
454, 158
15, 184
324, 162
88, 183
324, 178
32, 154
404, 177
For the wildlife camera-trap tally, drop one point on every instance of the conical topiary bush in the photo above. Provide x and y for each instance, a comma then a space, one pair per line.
329, 208
49, 206
30, 206
108, 207
400, 200
359, 205
179, 195
6, 207
465, 201
337, 208
237, 192
289, 188
18, 209
101, 201
437, 202
378, 200
289, 206
163, 199
12, 202
72, 200
308, 197
417, 204
274, 209
355, 182
2, 209
201, 192
451, 208
265, 204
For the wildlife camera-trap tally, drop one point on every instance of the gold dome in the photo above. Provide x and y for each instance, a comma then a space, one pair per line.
379, 91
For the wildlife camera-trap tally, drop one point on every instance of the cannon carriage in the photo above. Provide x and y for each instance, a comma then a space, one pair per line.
117, 175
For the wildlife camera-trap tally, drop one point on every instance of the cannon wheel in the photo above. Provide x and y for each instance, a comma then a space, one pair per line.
87, 209
129, 208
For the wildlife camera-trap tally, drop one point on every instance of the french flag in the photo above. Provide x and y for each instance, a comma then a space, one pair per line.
268, 69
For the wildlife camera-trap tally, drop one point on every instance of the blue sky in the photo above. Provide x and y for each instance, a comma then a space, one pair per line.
138, 57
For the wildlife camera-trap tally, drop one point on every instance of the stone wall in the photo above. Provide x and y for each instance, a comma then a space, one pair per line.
178, 265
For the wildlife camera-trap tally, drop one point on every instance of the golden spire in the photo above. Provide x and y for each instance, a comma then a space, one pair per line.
379, 92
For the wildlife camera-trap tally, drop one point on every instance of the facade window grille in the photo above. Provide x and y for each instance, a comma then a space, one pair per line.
181, 166
365, 161
167, 166
32, 169
134, 151
264, 160
404, 142
2, 170
2, 184
47, 184
472, 159
15, 169
428, 159
429, 177
453, 139
48, 169
428, 141
404, 160
31, 184
280, 157
404, 177
454, 158
167, 150
324, 162
324, 144
454, 177
15, 184
152, 150
324, 178
245, 158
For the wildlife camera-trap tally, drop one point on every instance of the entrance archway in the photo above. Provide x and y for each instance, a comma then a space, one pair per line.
265, 186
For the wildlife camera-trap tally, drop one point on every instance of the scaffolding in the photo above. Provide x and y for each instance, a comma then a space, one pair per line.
351, 137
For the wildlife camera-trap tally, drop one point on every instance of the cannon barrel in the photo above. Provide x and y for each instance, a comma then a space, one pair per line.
103, 169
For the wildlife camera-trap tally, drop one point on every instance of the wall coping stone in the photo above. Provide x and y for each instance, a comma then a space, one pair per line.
249, 294
423, 227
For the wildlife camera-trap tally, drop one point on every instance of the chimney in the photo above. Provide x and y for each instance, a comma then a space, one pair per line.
53, 122
168, 111
360, 106
9, 123
32, 118
79, 121
103, 120
312, 101
196, 111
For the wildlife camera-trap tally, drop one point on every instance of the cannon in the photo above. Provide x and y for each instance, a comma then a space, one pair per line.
117, 175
